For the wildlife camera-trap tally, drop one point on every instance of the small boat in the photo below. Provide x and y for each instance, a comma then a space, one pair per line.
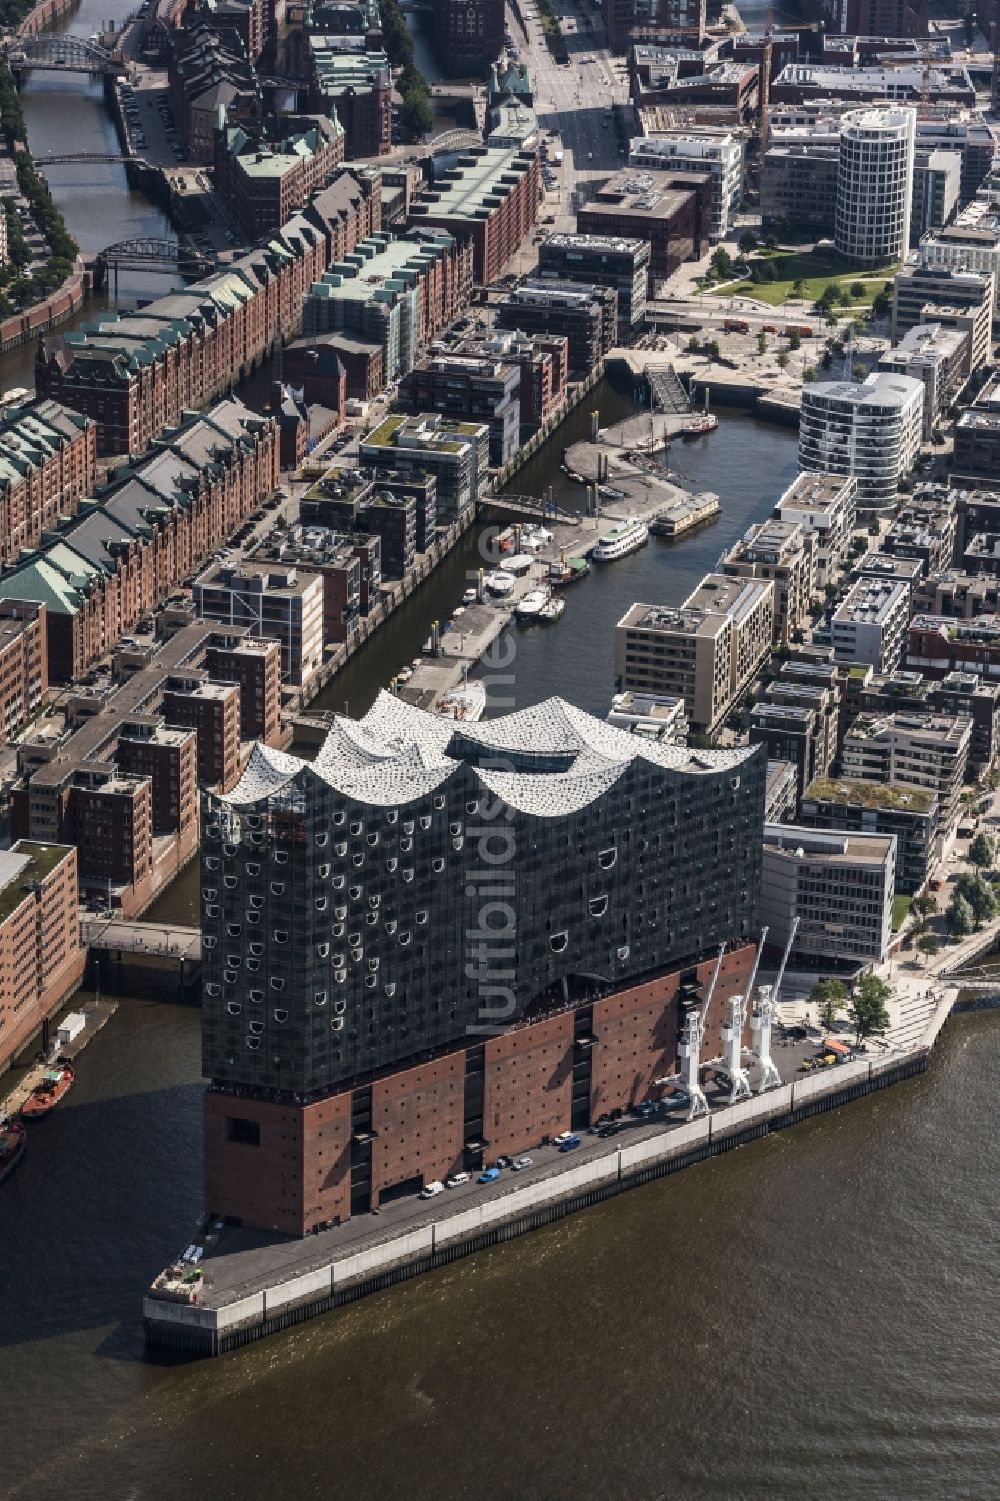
458, 613
568, 571
466, 703
500, 584
505, 541
13, 1140
470, 597
699, 426
619, 543
531, 606
518, 564
404, 674
55, 1083
552, 610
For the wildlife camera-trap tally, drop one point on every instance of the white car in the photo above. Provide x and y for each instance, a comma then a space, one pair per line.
520, 1163
431, 1190
457, 1179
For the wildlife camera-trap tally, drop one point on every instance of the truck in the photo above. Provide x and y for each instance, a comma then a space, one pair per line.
803, 329
735, 326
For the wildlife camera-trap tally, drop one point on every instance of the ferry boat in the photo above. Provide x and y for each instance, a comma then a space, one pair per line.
499, 583
13, 1140
567, 571
55, 1083
466, 703
531, 606
699, 426
551, 610
624, 540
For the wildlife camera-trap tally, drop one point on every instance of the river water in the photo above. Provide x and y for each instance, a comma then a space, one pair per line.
813, 1316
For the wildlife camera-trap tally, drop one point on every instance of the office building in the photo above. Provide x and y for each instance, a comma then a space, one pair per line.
602, 261
869, 626
839, 886
352, 990
875, 185
798, 184
824, 504
646, 205
870, 430
907, 814
937, 183
488, 195
939, 358
354, 84
970, 243
627, 19
707, 651
468, 35
717, 152
41, 960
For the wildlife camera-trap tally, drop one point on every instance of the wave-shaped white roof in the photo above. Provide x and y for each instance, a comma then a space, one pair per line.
398, 753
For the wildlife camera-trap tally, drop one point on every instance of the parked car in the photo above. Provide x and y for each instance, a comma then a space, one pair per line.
520, 1163
503, 1160
431, 1190
612, 1128
489, 1175
679, 1099
457, 1179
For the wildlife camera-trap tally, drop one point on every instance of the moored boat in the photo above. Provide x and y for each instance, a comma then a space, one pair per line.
551, 610
55, 1084
567, 571
499, 583
531, 606
466, 703
13, 1140
707, 422
625, 539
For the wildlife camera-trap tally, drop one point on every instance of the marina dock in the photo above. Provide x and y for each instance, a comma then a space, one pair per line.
21, 1081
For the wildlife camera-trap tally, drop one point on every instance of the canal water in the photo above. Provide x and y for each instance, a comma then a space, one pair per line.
812, 1316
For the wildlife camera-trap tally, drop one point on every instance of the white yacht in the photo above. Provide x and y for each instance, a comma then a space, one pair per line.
500, 584
625, 539
532, 605
466, 703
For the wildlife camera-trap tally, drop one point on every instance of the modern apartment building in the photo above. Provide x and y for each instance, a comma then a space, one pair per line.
936, 356
471, 388
870, 430
824, 504
919, 750
587, 316
970, 243
213, 711
869, 626
363, 1035
602, 261
797, 722
647, 205
282, 604
706, 651
875, 185
907, 814
839, 886
41, 960
456, 453
782, 551
715, 151
950, 297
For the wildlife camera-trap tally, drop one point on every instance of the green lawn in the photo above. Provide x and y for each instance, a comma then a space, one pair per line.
816, 270
900, 911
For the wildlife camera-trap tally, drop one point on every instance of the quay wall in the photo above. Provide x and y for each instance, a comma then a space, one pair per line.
207, 1331
41, 17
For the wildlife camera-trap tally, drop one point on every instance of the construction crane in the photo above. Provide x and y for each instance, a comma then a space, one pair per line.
764, 86
732, 1037
763, 1018
689, 1049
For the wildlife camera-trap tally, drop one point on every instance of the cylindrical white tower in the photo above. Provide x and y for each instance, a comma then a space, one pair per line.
875, 185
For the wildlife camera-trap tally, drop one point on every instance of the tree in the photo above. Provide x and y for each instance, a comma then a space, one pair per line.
747, 241
925, 904
858, 370
882, 305
981, 850
809, 374
693, 344
722, 263
979, 895
794, 340
416, 116
712, 349
830, 996
857, 289
928, 944
961, 918
783, 359
761, 342
869, 1011
798, 287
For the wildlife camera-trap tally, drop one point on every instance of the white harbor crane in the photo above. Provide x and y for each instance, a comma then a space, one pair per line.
689, 1049
732, 1037
763, 1016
